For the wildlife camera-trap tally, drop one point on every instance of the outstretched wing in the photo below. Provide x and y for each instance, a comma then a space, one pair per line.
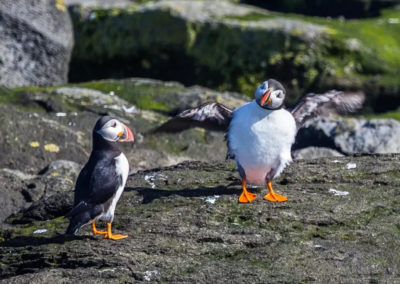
312, 105
211, 116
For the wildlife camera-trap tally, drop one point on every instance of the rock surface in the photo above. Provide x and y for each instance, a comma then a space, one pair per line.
44, 124
36, 42
41, 125
39, 197
333, 8
315, 153
350, 136
228, 46
341, 224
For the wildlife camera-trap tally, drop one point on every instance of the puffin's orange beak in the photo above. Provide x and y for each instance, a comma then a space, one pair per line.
127, 135
265, 98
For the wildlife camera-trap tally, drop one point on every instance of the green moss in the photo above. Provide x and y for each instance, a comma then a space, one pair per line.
7, 96
228, 256
386, 115
145, 96
253, 16
381, 35
237, 57
351, 51
348, 237
261, 264
27, 230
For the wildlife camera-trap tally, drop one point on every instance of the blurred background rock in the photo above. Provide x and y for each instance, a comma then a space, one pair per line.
36, 41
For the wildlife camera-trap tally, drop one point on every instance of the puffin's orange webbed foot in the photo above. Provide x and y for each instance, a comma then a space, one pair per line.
273, 196
246, 197
115, 237
111, 236
95, 231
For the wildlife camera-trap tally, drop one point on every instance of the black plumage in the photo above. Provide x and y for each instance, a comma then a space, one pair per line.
95, 186
211, 116
99, 180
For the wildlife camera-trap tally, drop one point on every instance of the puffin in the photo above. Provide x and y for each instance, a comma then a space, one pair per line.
102, 180
260, 133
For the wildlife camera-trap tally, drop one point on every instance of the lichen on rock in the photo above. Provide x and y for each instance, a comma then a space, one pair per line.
175, 235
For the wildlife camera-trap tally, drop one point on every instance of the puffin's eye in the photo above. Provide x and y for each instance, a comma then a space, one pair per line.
114, 124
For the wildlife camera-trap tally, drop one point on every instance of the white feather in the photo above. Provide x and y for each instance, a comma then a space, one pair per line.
122, 170
261, 140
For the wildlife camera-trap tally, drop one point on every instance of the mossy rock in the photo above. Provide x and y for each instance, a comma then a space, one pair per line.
43, 124
235, 47
185, 225
333, 8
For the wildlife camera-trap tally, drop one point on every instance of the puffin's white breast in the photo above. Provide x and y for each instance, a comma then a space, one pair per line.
261, 140
122, 170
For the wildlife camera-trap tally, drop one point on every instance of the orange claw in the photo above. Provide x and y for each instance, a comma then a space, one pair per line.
95, 230
246, 197
110, 236
273, 196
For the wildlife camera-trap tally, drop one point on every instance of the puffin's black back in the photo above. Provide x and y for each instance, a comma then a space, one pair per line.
97, 182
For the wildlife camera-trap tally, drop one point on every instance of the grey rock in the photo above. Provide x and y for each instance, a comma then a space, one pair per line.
352, 135
43, 125
101, 3
368, 136
12, 198
175, 235
315, 153
229, 46
25, 197
65, 168
186, 40
36, 42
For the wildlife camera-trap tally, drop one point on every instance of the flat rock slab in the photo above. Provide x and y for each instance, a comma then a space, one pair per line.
341, 224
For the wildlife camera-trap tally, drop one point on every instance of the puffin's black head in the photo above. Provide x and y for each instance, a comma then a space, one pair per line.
270, 95
109, 130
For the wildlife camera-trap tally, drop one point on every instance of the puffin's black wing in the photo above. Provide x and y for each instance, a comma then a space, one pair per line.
102, 183
95, 186
312, 105
211, 116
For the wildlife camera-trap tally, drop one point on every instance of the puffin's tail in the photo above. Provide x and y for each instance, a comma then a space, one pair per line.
78, 216
74, 226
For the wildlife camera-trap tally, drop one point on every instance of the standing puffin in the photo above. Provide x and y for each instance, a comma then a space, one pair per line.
102, 180
260, 134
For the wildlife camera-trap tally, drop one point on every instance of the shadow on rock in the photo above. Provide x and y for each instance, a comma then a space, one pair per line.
23, 241
150, 194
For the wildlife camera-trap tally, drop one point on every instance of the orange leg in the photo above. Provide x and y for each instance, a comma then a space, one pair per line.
246, 196
95, 230
109, 235
273, 196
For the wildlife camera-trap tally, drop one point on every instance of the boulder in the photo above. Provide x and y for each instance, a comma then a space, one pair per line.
36, 42
44, 124
333, 8
315, 153
350, 136
41, 125
229, 46
340, 224
37, 197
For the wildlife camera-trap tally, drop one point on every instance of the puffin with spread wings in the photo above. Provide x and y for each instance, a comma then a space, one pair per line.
260, 134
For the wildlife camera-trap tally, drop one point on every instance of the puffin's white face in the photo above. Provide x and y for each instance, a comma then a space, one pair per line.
113, 131
270, 94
